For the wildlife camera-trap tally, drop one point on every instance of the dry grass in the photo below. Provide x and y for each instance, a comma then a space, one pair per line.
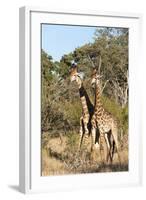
60, 156
50, 165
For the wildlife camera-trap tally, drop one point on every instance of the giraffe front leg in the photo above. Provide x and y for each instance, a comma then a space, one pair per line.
86, 132
103, 149
93, 133
94, 144
81, 133
93, 136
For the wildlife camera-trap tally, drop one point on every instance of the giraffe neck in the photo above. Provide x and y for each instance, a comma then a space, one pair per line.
98, 104
87, 106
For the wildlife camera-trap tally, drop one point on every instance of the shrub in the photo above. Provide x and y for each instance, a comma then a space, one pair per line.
72, 112
121, 114
72, 140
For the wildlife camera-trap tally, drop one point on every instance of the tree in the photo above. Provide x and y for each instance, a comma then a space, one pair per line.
109, 54
112, 44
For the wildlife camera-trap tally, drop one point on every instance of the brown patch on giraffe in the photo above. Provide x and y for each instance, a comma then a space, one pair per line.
73, 70
93, 74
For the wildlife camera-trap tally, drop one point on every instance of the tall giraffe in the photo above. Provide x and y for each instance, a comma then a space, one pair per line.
106, 123
87, 106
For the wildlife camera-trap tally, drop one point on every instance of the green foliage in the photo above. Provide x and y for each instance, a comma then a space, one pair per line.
72, 111
47, 67
64, 65
124, 119
72, 141
61, 107
121, 114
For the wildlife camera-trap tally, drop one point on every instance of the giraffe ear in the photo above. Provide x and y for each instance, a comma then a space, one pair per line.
81, 75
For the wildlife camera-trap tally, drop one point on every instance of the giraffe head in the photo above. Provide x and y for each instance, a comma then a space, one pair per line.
95, 77
75, 75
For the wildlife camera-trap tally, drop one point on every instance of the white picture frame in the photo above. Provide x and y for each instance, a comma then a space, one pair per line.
29, 160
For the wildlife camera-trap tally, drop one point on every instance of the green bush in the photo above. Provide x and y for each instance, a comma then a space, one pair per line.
72, 112
121, 114
72, 140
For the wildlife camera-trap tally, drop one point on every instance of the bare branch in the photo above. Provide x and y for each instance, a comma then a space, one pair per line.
121, 92
124, 73
104, 86
99, 67
93, 65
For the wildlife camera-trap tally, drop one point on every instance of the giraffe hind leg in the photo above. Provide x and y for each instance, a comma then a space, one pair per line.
115, 137
112, 145
108, 147
81, 132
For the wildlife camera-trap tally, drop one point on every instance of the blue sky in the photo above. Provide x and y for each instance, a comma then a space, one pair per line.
58, 40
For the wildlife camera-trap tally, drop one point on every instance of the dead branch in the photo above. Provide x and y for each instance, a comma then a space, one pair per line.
121, 92
104, 86
99, 67
93, 65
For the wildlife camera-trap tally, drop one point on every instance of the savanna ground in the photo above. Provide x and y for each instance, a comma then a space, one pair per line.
61, 107
60, 156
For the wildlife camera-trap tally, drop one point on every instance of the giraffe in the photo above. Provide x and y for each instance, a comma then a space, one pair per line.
106, 123
87, 106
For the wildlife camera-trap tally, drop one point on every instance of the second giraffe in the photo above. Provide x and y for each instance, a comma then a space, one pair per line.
106, 123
